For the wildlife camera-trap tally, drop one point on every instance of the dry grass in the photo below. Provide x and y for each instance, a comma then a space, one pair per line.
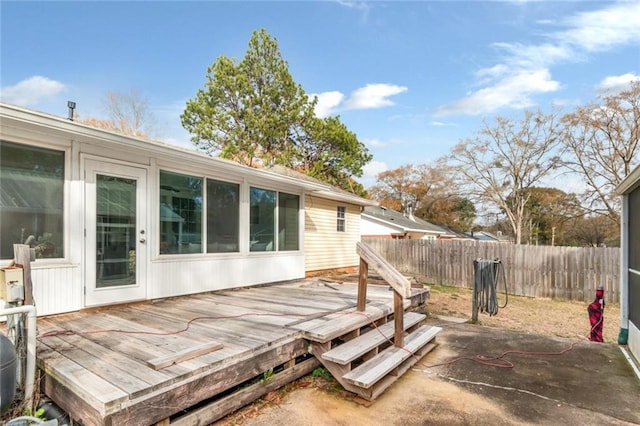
562, 318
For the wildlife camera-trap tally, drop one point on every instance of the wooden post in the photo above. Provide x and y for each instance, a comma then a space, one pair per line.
22, 254
362, 285
398, 314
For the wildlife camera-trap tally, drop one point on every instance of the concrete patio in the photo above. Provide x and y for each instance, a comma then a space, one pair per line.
590, 383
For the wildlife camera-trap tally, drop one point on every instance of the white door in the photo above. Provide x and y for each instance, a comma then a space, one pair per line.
115, 233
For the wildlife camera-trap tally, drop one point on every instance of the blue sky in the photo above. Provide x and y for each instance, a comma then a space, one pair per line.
411, 79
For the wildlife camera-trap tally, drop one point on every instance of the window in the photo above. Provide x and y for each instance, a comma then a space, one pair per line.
223, 216
262, 223
341, 219
31, 200
264, 220
180, 213
288, 208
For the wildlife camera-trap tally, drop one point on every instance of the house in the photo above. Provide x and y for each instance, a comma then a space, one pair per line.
453, 234
629, 189
381, 222
488, 237
117, 219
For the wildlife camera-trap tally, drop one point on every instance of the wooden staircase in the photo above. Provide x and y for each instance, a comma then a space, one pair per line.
369, 348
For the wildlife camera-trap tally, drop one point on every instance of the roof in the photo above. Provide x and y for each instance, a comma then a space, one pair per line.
488, 236
397, 219
450, 232
330, 191
15, 116
631, 182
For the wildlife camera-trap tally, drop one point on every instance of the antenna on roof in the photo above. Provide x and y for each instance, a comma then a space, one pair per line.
72, 106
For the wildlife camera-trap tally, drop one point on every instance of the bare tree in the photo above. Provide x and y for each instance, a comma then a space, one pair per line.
128, 113
505, 160
602, 144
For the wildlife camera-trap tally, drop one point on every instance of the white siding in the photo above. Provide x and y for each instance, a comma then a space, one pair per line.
371, 228
56, 289
324, 246
187, 276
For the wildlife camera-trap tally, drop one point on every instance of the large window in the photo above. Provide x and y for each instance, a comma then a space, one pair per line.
264, 220
180, 213
288, 208
31, 200
223, 216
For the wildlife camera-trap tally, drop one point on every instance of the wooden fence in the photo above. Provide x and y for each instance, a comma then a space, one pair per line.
539, 271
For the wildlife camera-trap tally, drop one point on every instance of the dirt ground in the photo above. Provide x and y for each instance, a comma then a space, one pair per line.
561, 318
438, 396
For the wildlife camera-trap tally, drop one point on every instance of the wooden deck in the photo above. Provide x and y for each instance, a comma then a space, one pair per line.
113, 365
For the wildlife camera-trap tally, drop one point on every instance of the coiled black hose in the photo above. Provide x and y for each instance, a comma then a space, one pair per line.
487, 274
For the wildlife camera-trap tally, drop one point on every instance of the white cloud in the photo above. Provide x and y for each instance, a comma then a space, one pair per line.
603, 29
376, 143
358, 5
535, 56
442, 124
616, 83
524, 70
368, 97
327, 103
373, 96
373, 168
31, 91
513, 91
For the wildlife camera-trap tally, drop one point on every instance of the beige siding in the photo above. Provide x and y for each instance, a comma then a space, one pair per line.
324, 246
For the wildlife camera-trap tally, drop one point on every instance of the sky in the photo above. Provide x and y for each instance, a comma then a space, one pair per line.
410, 79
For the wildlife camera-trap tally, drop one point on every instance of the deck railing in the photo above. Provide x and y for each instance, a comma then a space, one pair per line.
398, 282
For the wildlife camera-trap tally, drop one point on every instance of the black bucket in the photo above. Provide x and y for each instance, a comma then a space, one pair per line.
7, 372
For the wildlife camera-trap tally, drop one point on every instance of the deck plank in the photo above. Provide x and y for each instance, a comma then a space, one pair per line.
97, 392
117, 359
113, 374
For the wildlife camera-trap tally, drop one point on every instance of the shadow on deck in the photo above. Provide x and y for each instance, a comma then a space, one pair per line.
193, 359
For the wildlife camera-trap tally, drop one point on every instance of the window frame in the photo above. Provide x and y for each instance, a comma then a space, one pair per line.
63, 146
276, 213
341, 218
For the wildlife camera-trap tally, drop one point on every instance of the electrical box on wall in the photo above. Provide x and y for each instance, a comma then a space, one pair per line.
11, 284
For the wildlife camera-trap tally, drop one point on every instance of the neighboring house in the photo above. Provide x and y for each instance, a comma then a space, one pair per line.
630, 263
488, 237
452, 234
382, 222
116, 219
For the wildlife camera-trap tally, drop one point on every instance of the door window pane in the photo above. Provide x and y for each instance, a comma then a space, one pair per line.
31, 200
223, 216
288, 207
180, 213
115, 231
262, 226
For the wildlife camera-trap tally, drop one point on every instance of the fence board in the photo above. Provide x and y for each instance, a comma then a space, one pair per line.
538, 271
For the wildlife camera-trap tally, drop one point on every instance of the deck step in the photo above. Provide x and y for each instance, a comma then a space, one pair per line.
372, 371
368, 341
344, 322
